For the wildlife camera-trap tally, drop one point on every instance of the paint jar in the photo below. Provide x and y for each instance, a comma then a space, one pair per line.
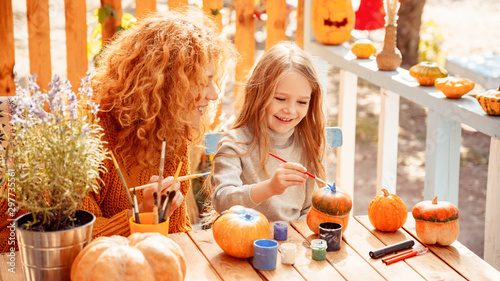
265, 254
332, 233
288, 251
318, 247
147, 225
280, 230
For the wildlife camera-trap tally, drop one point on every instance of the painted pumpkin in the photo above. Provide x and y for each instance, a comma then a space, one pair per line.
490, 101
454, 87
427, 72
363, 49
141, 256
329, 204
236, 229
387, 212
436, 222
332, 20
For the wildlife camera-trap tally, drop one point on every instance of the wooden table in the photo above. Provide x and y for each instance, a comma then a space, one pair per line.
206, 261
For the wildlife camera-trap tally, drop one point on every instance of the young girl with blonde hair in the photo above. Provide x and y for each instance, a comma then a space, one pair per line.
282, 114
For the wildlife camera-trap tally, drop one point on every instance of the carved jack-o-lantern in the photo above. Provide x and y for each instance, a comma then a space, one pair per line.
332, 20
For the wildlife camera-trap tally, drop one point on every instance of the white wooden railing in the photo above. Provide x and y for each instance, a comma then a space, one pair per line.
444, 120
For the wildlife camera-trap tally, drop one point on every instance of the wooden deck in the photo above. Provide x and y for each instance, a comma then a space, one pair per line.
206, 260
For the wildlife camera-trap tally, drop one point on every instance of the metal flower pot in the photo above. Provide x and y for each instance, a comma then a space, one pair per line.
50, 255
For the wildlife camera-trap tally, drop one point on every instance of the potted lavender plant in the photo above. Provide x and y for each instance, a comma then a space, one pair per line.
52, 161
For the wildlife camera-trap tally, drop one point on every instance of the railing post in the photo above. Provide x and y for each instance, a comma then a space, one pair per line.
143, 7
244, 40
276, 22
492, 220
347, 122
76, 41
387, 152
442, 165
39, 41
7, 60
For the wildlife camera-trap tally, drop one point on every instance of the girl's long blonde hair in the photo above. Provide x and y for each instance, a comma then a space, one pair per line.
151, 76
259, 92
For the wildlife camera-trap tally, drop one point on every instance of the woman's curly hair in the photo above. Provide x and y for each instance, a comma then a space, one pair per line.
150, 76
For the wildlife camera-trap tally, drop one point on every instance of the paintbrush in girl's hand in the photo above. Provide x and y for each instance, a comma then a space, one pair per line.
156, 210
179, 179
307, 173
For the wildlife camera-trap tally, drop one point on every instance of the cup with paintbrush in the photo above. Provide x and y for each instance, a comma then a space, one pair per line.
152, 222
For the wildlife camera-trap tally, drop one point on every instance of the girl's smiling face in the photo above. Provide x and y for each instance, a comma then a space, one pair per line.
290, 102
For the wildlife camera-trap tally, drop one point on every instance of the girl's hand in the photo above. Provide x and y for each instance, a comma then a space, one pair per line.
288, 174
147, 195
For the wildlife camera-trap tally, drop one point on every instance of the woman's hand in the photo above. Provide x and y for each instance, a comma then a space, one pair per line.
176, 203
288, 174
147, 195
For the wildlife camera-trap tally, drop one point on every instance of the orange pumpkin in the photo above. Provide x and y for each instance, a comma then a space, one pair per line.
332, 20
363, 49
490, 101
141, 256
329, 204
454, 87
387, 212
436, 222
427, 72
236, 229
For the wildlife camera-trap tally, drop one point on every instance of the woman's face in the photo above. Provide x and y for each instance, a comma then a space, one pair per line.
290, 103
209, 93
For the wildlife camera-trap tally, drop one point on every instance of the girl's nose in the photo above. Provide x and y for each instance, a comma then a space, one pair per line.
289, 108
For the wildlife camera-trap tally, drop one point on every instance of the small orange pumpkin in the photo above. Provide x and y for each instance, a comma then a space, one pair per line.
141, 256
332, 20
329, 204
436, 222
236, 229
363, 49
427, 72
490, 101
454, 87
387, 212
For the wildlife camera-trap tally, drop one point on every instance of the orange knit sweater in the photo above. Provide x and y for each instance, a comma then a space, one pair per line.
110, 205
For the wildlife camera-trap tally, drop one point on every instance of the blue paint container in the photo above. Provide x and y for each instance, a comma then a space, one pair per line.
265, 252
280, 231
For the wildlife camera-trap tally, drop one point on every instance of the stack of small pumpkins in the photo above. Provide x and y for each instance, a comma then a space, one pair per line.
435, 222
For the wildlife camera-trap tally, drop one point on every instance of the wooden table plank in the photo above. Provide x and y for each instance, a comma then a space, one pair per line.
346, 261
305, 265
459, 257
197, 267
363, 241
430, 266
227, 267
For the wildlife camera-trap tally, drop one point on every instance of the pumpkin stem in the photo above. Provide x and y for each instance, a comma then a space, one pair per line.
333, 188
386, 193
435, 199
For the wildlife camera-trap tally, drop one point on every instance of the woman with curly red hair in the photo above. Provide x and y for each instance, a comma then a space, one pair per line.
153, 83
